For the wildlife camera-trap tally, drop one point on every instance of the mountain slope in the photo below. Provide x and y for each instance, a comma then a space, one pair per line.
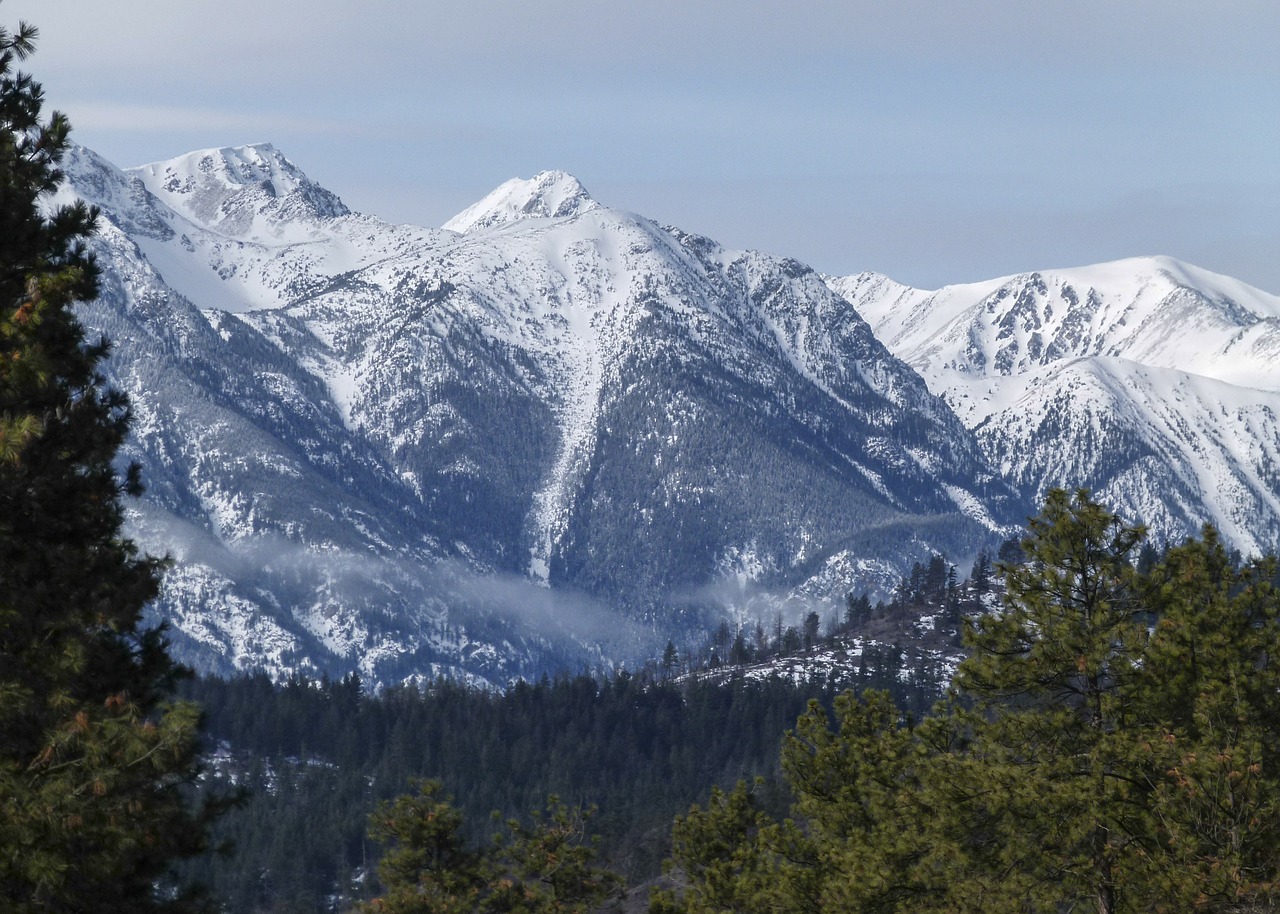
1149, 381
498, 449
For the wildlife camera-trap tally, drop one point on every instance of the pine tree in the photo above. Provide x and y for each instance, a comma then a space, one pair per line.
864, 808
549, 867
1211, 684
1052, 677
1112, 744
860, 835
427, 868
546, 868
1126, 725
722, 856
92, 760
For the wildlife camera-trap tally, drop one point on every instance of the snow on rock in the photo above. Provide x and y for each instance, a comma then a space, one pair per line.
1150, 381
547, 195
225, 188
496, 447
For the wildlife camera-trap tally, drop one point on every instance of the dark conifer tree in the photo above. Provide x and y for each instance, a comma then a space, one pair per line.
812, 622
934, 581
92, 759
857, 609
669, 659
981, 573
1109, 745
546, 868
1010, 553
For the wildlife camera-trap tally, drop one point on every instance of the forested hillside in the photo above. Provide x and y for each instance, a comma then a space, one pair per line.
1107, 736
317, 756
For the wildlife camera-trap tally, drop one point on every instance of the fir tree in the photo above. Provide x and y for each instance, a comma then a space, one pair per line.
812, 622
857, 609
92, 759
670, 657
980, 576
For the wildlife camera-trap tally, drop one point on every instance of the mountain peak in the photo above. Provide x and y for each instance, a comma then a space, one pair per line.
221, 187
232, 166
547, 195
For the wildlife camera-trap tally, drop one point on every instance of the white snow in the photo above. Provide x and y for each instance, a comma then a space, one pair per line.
544, 275
547, 195
1182, 358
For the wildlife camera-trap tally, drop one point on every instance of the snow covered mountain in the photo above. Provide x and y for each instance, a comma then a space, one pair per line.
542, 436
1153, 383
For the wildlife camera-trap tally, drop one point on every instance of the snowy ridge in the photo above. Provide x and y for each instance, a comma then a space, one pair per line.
396, 443
1150, 381
1178, 450
547, 195
1153, 310
208, 186
247, 229
555, 434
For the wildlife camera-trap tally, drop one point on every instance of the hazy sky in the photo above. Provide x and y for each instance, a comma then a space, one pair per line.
942, 141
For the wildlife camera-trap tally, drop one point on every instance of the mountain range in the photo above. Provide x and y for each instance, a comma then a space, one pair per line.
554, 434
1153, 383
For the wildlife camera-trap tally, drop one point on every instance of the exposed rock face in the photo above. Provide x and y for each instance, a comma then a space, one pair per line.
554, 434
1151, 382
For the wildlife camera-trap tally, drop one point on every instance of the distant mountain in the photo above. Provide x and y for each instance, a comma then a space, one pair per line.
551, 434
1154, 383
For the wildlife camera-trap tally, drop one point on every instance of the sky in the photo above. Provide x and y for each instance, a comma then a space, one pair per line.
936, 141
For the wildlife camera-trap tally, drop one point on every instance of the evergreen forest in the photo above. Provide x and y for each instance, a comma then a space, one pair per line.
315, 757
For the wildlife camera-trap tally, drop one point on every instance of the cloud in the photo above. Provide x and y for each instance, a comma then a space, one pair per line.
329, 41
404, 595
540, 611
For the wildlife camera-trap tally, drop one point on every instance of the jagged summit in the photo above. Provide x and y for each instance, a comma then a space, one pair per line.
234, 166
1149, 381
228, 188
1156, 310
548, 194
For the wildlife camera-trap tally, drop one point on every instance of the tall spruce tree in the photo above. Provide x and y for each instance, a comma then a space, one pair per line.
93, 760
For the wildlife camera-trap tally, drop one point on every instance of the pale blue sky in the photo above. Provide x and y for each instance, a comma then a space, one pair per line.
941, 141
